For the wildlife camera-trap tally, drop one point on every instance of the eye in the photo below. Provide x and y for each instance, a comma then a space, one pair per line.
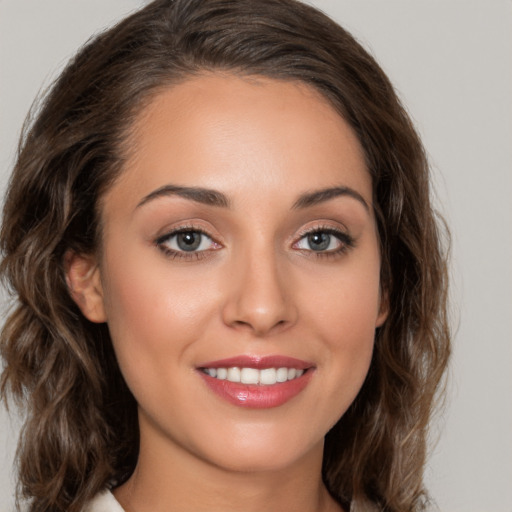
328, 241
186, 241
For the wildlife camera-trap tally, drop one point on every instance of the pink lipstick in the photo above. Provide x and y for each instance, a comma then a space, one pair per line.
257, 382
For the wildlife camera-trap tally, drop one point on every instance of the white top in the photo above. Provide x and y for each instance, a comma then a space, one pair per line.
103, 502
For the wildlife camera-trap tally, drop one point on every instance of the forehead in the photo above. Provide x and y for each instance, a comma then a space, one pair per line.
251, 135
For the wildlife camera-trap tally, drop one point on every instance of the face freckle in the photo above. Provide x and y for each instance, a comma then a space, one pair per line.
241, 233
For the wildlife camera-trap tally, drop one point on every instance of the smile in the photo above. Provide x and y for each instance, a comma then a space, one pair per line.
257, 382
265, 377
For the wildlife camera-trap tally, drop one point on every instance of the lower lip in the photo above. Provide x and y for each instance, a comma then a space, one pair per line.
255, 396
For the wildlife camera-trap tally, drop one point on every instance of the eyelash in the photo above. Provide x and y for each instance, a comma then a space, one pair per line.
347, 242
184, 255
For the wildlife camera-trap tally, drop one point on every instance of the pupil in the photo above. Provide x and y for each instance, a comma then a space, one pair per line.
189, 241
319, 241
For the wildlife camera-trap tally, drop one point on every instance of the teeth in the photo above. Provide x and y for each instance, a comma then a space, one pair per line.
265, 377
222, 373
249, 376
282, 374
234, 374
268, 376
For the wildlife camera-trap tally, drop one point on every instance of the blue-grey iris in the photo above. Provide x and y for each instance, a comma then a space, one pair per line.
189, 240
319, 241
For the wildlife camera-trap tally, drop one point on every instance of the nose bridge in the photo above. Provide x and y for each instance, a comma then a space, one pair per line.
260, 298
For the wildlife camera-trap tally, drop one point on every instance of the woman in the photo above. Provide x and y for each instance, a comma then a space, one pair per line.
230, 284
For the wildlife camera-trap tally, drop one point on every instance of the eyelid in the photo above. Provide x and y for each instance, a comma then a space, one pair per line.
181, 229
187, 224
321, 225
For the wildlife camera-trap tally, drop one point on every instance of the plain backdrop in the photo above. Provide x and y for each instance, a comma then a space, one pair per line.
451, 62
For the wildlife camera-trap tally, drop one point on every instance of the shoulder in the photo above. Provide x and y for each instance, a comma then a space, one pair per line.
103, 502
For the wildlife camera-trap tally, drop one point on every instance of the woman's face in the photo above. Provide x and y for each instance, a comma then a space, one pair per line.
240, 243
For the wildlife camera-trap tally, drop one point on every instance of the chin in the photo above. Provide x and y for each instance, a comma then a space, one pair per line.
264, 451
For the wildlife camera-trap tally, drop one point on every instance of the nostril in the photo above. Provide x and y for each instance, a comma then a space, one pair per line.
258, 301
258, 327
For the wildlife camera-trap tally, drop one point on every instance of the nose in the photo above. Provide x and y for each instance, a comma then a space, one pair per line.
261, 298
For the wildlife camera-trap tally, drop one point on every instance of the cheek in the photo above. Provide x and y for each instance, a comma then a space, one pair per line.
153, 315
346, 302
345, 315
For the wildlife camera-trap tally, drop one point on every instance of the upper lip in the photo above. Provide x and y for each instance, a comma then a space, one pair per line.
258, 362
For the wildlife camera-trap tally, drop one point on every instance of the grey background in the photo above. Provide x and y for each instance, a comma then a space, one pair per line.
451, 61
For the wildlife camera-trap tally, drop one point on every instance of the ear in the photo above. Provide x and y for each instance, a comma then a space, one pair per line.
84, 283
383, 308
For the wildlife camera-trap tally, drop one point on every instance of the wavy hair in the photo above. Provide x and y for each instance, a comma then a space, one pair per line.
80, 433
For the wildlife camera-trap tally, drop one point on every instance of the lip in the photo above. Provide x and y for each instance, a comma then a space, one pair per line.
258, 362
257, 396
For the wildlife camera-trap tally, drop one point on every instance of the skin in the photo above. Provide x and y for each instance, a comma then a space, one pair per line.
257, 288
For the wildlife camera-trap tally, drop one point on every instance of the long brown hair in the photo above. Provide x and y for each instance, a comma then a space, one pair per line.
80, 433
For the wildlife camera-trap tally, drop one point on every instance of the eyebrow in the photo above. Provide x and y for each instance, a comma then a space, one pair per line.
200, 195
212, 197
320, 196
